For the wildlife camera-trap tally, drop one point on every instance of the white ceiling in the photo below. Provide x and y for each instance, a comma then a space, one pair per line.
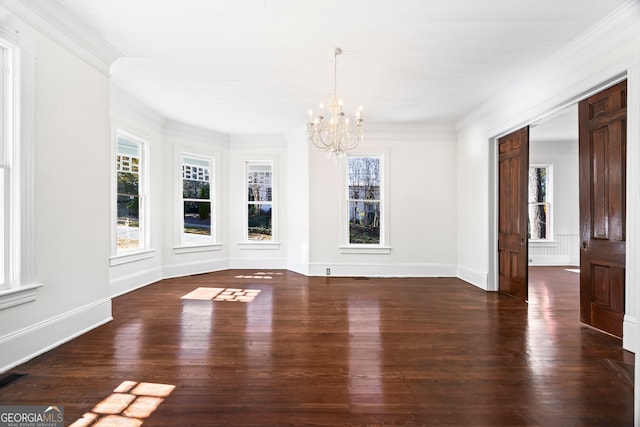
258, 66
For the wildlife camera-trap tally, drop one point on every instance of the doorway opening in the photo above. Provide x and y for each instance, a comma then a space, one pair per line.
537, 202
554, 211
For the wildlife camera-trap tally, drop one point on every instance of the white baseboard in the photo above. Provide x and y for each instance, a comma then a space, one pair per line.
383, 270
188, 269
630, 334
300, 268
550, 260
474, 277
131, 282
25, 344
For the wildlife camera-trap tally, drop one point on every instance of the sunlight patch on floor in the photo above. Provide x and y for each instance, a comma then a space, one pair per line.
223, 294
259, 275
573, 270
128, 406
203, 293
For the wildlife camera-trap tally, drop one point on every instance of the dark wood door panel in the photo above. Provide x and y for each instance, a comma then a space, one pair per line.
602, 148
513, 163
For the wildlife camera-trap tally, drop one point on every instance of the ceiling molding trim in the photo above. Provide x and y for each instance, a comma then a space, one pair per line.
251, 141
180, 130
57, 23
127, 107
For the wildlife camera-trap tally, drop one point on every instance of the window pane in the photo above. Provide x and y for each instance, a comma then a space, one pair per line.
364, 192
259, 221
538, 221
195, 189
197, 221
537, 184
128, 223
259, 181
364, 171
364, 222
128, 183
128, 147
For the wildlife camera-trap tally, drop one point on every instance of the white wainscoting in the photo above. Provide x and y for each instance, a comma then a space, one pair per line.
564, 250
23, 345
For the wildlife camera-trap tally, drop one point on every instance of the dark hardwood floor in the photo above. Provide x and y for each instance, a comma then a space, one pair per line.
337, 351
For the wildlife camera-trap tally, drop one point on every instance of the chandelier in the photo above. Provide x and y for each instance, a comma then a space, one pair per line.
334, 136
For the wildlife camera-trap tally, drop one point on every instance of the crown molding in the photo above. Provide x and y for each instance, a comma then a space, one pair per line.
126, 106
176, 129
57, 23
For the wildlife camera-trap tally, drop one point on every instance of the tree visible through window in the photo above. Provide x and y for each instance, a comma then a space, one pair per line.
364, 199
196, 196
259, 201
539, 206
128, 169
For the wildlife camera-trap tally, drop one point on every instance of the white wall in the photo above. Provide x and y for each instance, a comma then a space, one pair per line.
564, 249
421, 197
72, 204
297, 188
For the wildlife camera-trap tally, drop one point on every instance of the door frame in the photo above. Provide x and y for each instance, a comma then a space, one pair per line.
631, 336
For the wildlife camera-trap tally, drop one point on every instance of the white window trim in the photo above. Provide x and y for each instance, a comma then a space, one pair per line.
382, 248
145, 250
180, 246
19, 214
550, 240
274, 243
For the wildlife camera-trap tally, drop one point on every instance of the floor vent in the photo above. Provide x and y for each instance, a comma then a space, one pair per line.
8, 379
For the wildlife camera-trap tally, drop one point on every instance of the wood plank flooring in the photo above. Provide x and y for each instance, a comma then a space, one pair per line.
338, 351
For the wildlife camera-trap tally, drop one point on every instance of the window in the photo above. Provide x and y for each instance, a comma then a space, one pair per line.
364, 200
130, 194
17, 240
260, 202
540, 191
197, 200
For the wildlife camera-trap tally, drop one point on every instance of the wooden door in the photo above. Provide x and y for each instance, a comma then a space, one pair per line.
513, 165
602, 147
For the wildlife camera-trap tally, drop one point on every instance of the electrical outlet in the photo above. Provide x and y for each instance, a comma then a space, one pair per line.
328, 271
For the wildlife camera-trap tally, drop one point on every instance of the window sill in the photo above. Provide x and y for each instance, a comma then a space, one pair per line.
259, 245
187, 249
365, 249
17, 296
131, 257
